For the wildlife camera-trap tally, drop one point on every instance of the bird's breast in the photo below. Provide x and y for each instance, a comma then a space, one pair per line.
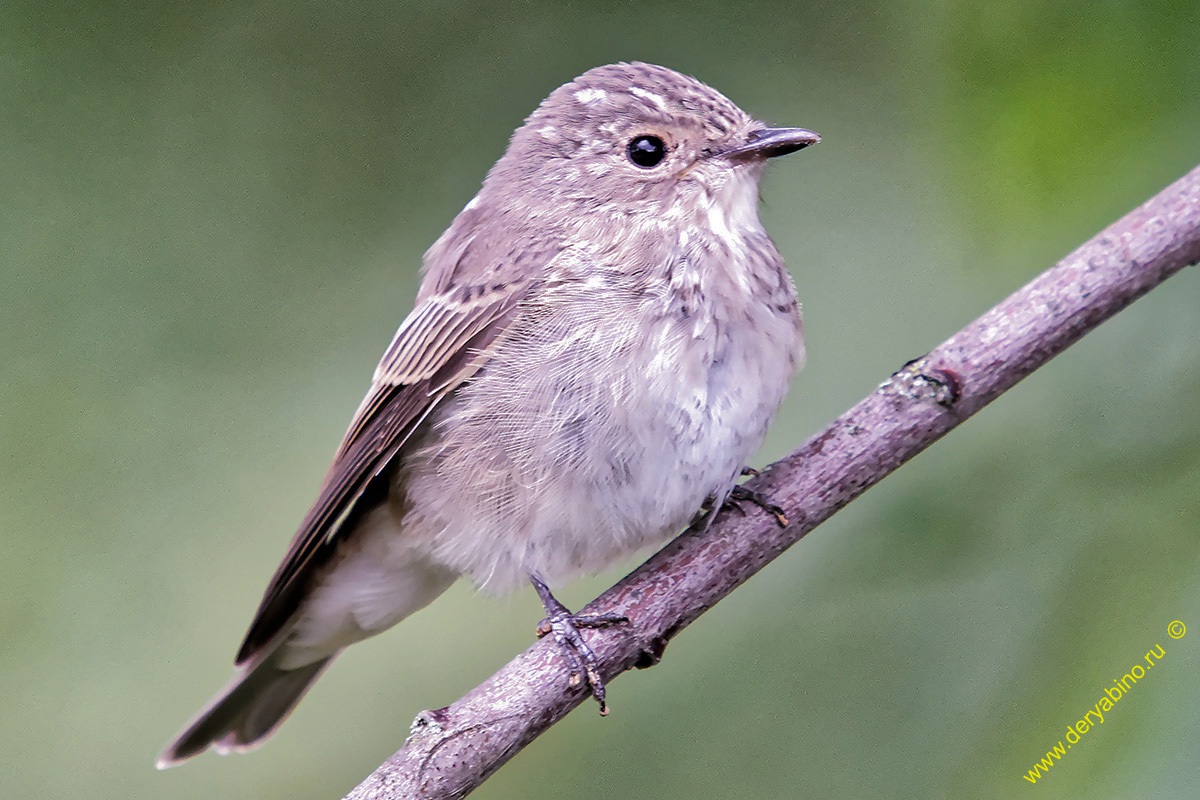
598, 426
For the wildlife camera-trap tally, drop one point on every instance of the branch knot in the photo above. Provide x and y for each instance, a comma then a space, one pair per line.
921, 382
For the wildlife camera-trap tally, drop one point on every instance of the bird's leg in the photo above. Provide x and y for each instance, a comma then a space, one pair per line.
565, 627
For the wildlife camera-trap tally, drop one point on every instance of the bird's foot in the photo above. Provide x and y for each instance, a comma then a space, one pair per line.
737, 494
741, 494
564, 626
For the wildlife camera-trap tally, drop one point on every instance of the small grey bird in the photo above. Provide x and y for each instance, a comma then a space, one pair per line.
599, 342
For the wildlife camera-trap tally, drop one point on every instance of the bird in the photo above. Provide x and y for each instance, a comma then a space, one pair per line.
599, 341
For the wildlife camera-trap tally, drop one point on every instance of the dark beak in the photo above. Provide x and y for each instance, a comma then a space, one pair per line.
772, 142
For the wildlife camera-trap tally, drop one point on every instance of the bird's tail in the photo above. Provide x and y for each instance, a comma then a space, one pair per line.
246, 711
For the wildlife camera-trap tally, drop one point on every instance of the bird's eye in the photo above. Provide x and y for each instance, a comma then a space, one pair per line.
647, 151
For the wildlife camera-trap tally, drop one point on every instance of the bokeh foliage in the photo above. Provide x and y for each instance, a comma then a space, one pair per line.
213, 218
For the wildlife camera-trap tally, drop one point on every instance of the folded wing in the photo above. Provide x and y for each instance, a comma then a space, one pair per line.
442, 342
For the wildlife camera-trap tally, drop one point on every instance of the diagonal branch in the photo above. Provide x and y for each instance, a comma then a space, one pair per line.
453, 750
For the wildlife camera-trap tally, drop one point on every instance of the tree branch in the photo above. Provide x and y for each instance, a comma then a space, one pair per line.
453, 750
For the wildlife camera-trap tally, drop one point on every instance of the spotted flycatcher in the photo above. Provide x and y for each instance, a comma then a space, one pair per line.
599, 342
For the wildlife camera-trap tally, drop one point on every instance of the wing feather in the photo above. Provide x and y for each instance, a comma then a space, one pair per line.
441, 343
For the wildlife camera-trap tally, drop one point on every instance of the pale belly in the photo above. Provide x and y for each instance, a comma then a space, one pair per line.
586, 438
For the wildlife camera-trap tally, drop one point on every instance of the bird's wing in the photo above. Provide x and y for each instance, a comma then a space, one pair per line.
442, 342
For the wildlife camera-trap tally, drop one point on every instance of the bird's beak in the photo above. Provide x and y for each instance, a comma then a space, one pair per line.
771, 142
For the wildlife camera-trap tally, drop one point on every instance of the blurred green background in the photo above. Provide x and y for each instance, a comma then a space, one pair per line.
212, 224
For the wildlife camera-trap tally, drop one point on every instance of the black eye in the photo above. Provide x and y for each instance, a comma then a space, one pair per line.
647, 151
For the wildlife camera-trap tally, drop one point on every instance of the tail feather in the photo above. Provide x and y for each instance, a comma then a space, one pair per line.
246, 712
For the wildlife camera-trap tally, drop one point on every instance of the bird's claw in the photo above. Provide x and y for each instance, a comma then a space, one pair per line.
742, 494
564, 626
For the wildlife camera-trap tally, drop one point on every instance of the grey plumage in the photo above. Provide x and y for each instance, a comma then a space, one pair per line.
597, 346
